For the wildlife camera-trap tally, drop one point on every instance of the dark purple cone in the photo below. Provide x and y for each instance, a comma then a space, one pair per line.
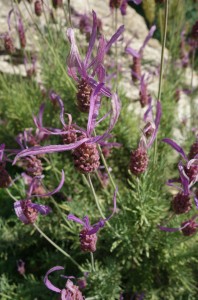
87, 242
22, 39
115, 3
86, 158
30, 213
57, 3
83, 96
191, 172
193, 150
38, 8
5, 179
144, 96
138, 161
148, 129
181, 204
136, 68
189, 229
33, 166
71, 136
8, 44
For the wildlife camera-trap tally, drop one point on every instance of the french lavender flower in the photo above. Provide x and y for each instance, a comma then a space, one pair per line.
88, 235
85, 71
193, 149
139, 158
122, 4
27, 211
137, 55
5, 179
57, 3
187, 228
70, 292
181, 202
85, 153
38, 7
144, 95
20, 27
37, 188
190, 166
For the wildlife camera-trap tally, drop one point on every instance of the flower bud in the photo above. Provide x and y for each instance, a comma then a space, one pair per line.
57, 3
136, 68
30, 213
71, 136
8, 44
5, 179
115, 3
38, 8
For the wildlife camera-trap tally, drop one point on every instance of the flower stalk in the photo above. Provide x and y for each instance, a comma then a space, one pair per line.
57, 247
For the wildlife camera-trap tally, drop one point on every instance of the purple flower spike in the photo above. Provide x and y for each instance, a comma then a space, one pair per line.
188, 228
21, 267
27, 211
88, 72
70, 292
88, 237
5, 179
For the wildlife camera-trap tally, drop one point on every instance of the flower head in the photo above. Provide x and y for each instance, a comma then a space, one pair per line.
190, 167
69, 292
89, 71
21, 267
27, 211
5, 179
88, 237
137, 55
188, 227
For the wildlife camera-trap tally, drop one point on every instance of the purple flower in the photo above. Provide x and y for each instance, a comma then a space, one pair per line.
139, 158
20, 27
152, 125
188, 228
137, 55
88, 237
70, 292
5, 179
85, 138
84, 71
27, 211
190, 167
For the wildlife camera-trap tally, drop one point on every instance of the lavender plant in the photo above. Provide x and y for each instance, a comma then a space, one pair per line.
147, 248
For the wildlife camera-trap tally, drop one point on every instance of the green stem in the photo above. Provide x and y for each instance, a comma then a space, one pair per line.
193, 109
161, 68
57, 247
69, 10
92, 261
107, 169
11, 196
95, 196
